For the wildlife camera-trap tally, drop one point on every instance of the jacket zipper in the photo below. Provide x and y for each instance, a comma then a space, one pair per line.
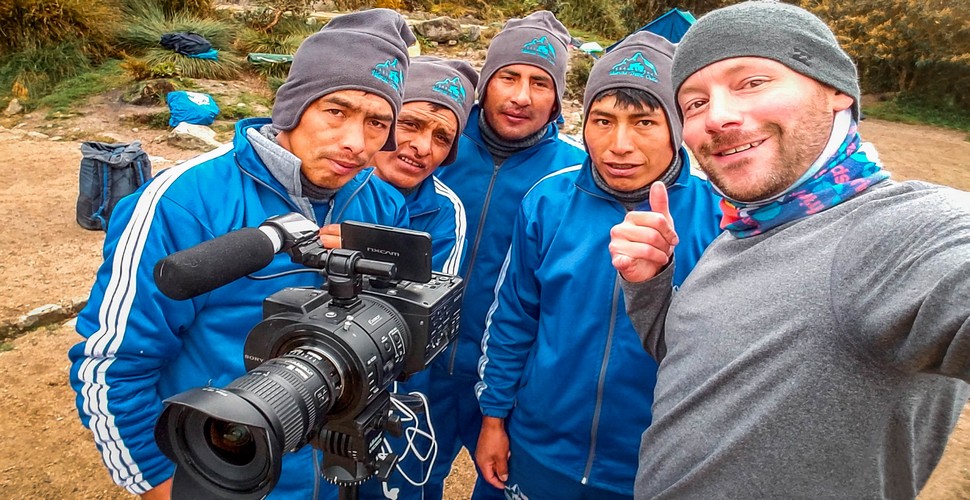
474, 255
602, 382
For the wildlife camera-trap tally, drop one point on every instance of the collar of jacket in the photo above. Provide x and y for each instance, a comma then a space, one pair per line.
422, 201
586, 183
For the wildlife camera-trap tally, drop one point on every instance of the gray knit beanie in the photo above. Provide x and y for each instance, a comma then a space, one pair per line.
365, 50
445, 82
772, 30
642, 61
539, 40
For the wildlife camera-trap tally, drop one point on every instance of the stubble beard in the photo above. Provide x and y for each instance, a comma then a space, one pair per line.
797, 150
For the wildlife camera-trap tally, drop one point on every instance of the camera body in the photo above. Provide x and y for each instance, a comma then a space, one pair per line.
319, 366
431, 313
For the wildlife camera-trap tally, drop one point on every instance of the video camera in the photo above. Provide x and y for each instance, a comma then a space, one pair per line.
318, 365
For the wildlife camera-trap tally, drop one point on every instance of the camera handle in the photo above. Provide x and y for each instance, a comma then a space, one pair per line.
344, 268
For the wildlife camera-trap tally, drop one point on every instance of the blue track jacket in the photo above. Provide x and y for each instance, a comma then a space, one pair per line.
491, 195
435, 209
562, 362
142, 347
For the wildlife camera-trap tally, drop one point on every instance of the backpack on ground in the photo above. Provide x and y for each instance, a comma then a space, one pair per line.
108, 173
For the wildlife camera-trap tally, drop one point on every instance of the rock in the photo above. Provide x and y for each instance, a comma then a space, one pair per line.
147, 93
57, 138
13, 108
439, 29
43, 315
114, 137
421, 15
472, 33
189, 136
37, 135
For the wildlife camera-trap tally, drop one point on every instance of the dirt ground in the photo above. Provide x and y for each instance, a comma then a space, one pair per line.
45, 257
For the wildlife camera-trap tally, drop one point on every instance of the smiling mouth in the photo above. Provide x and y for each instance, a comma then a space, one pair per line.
410, 162
621, 166
740, 149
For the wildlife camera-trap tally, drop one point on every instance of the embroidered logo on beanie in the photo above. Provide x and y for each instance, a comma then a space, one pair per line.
801, 56
540, 47
388, 73
636, 65
452, 88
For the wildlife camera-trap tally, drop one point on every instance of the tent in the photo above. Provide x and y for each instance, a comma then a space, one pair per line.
671, 26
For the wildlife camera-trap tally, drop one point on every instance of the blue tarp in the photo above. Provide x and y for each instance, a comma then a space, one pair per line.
671, 26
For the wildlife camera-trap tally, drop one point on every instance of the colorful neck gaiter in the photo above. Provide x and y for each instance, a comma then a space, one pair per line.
846, 173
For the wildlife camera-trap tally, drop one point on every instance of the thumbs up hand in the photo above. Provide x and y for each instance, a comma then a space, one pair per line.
643, 243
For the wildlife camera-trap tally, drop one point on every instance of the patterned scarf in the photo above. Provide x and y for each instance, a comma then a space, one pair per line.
845, 174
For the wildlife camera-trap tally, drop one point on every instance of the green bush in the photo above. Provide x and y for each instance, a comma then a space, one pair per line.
143, 29
579, 68
71, 90
163, 63
33, 73
38, 24
599, 16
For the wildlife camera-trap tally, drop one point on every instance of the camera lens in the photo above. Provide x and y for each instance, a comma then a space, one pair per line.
230, 441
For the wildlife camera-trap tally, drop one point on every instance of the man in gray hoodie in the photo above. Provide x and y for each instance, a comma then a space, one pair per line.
821, 346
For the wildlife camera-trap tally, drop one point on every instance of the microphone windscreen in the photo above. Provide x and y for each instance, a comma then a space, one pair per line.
200, 269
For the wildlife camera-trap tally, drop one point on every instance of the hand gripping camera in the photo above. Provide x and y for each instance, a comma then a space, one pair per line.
319, 363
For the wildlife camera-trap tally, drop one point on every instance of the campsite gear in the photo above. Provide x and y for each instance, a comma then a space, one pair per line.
108, 173
211, 54
365, 50
191, 107
539, 40
185, 43
672, 26
781, 32
262, 58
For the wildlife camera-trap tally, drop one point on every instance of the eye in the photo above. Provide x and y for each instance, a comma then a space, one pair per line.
542, 84
407, 124
694, 104
378, 124
754, 82
601, 122
334, 111
646, 123
443, 139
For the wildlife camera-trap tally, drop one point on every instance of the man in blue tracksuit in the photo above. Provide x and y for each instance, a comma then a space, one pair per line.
438, 97
565, 384
511, 141
335, 111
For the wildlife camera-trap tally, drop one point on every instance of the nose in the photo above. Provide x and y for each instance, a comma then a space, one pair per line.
722, 113
421, 143
522, 93
622, 141
352, 138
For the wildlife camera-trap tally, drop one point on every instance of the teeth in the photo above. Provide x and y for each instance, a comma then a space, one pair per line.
741, 148
410, 162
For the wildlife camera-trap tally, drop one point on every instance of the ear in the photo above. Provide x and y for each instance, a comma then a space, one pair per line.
841, 101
